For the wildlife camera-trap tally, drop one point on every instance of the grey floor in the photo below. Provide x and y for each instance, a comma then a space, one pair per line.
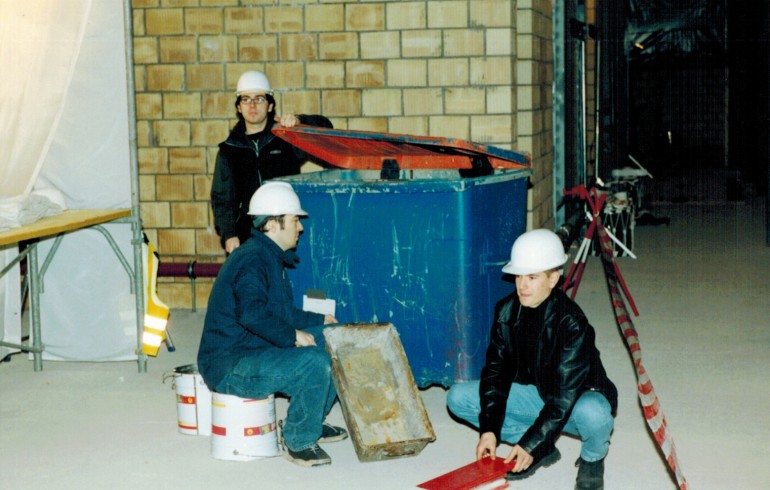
701, 285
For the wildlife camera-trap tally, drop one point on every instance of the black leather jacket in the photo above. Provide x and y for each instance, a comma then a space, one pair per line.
243, 166
567, 364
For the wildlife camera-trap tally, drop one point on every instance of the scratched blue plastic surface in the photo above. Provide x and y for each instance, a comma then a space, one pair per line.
424, 253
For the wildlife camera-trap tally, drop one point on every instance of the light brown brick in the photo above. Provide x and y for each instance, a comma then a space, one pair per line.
501, 100
380, 45
149, 106
140, 78
381, 102
203, 21
174, 294
499, 42
189, 215
417, 125
286, 75
243, 20
164, 21
218, 105
491, 71
450, 126
338, 46
407, 73
207, 243
155, 214
209, 132
415, 44
152, 160
187, 160
365, 17
143, 133
225, 3
492, 13
182, 106
376, 124
201, 187
147, 188
321, 18
325, 74
406, 15
164, 78
448, 72
174, 187
298, 47
283, 19
258, 48
146, 50
176, 241
492, 129
209, 76
178, 3
447, 14
365, 74
465, 100
217, 48
423, 101
463, 42
171, 133
300, 102
139, 4
341, 103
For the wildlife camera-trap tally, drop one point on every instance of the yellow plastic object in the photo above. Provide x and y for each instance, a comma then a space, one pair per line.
155, 311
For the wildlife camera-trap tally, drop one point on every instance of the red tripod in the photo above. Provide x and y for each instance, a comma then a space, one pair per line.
595, 202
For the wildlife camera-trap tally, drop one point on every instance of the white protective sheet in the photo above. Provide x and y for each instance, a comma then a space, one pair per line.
10, 302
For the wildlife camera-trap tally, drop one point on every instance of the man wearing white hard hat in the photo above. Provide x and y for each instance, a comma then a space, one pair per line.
255, 342
543, 374
251, 155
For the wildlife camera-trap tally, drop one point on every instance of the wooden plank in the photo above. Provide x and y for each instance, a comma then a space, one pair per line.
70, 220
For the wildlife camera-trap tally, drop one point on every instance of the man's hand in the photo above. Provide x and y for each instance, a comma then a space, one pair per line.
288, 120
329, 319
487, 446
304, 339
522, 457
231, 244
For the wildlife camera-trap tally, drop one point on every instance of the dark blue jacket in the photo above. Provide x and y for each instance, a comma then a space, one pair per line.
251, 307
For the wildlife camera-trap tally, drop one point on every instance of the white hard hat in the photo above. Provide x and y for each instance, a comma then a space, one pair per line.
536, 251
275, 198
253, 81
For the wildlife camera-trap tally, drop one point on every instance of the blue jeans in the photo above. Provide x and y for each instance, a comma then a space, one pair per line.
591, 419
301, 373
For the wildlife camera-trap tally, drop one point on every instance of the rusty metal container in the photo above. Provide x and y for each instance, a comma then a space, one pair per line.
380, 401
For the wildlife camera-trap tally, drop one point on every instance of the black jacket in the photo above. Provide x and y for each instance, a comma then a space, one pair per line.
242, 166
567, 364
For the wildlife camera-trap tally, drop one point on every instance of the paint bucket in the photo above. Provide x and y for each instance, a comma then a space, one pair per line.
243, 429
193, 401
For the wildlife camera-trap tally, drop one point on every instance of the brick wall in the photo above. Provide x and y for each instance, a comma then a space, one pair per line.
456, 68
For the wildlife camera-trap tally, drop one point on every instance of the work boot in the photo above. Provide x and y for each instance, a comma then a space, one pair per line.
590, 474
545, 461
312, 456
330, 433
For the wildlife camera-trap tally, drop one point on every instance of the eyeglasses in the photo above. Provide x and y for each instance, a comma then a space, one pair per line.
258, 100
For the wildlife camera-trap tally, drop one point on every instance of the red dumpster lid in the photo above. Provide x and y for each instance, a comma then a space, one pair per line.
367, 150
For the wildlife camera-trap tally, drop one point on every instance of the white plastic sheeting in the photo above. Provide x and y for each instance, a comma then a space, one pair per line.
64, 121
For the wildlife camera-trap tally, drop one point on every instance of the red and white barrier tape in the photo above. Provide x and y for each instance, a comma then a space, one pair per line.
653, 413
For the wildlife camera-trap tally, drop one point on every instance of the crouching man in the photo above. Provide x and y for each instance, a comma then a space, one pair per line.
543, 374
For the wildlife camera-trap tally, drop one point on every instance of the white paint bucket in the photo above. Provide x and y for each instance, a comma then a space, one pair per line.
243, 429
193, 401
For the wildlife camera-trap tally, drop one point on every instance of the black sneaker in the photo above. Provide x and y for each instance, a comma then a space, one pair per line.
312, 456
546, 460
590, 475
330, 433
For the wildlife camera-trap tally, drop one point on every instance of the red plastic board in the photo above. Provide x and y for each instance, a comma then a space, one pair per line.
470, 476
363, 150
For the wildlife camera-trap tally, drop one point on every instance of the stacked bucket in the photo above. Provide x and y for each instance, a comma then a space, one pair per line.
241, 429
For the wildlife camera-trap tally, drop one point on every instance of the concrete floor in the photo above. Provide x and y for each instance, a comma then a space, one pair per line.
701, 285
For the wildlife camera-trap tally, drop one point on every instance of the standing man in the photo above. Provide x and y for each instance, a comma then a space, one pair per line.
256, 342
543, 374
251, 155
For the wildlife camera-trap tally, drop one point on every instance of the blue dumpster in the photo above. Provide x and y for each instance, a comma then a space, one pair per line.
419, 248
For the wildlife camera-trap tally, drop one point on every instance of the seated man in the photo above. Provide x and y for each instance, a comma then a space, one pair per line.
256, 342
543, 374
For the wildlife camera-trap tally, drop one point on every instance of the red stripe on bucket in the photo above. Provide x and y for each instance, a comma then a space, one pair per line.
185, 399
218, 430
188, 427
259, 431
